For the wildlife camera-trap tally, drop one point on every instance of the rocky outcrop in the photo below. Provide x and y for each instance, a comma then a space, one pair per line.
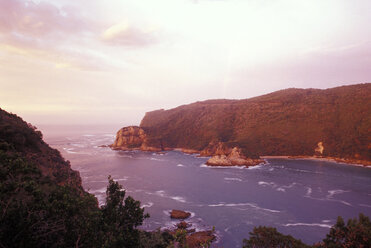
233, 158
215, 148
135, 138
132, 138
179, 214
200, 239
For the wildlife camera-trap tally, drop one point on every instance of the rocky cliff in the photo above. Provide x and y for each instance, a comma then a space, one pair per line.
294, 122
18, 136
132, 138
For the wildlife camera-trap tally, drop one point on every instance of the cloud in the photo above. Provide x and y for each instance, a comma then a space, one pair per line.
125, 34
45, 32
38, 19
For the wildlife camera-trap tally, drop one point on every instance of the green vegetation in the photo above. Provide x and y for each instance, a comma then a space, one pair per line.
356, 234
286, 122
262, 237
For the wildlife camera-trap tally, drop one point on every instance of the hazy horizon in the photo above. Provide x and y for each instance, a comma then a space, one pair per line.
65, 62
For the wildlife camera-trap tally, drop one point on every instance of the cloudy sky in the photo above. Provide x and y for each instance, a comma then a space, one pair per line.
102, 62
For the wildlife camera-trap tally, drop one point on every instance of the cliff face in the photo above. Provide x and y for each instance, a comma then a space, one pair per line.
132, 138
18, 136
333, 122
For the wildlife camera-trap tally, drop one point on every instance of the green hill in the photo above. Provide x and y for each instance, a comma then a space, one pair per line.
287, 122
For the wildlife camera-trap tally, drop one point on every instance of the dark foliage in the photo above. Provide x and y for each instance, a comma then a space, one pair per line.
355, 234
263, 237
42, 203
286, 122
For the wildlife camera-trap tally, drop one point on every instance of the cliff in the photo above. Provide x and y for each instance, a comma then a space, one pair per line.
132, 138
333, 122
18, 136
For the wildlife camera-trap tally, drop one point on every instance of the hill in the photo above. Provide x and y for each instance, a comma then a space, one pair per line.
289, 122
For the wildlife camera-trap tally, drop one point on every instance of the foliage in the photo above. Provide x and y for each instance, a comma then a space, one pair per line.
262, 237
355, 234
120, 217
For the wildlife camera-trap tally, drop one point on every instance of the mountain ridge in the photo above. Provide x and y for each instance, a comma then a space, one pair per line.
290, 122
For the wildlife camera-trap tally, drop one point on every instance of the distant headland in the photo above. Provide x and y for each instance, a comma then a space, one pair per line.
333, 123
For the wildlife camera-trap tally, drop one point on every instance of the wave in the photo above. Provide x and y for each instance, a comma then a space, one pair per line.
178, 198
160, 193
148, 205
233, 179
262, 183
252, 205
223, 167
308, 224
97, 191
309, 192
256, 167
365, 205
336, 192
180, 165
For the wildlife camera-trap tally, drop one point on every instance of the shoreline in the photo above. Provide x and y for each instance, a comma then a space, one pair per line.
352, 162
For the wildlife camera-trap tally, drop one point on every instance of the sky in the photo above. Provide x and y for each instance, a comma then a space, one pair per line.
109, 62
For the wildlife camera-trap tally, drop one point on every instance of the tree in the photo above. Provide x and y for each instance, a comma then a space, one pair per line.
120, 217
263, 237
356, 234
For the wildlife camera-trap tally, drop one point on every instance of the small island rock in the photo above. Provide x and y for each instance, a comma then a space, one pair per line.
179, 214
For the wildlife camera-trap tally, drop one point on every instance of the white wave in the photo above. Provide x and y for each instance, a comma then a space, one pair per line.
326, 221
148, 205
281, 189
365, 205
309, 224
259, 166
69, 150
252, 205
180, 165
96, 191
262, 183
336, 192
156, 159
178, 198
224, 167
160, 193
78, 145
329, 199
122, 179
233, 179
309, 192
89, 135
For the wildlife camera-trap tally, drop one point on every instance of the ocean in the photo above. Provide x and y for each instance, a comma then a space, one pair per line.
302, 198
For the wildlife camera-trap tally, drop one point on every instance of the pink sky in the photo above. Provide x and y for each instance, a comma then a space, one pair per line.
106, 62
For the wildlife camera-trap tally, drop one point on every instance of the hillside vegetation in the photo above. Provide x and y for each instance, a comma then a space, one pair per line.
287, 122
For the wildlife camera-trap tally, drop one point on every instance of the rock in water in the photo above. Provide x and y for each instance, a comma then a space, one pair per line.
179, 214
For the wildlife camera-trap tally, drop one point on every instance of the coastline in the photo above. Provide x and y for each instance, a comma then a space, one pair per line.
352, 162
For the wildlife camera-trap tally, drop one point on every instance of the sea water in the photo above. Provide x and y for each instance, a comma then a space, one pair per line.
302, 198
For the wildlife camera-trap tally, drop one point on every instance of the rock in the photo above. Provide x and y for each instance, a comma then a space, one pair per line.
183, 225
179, 214
132, 138
215, 148
198, 239
189, 151
234, 158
